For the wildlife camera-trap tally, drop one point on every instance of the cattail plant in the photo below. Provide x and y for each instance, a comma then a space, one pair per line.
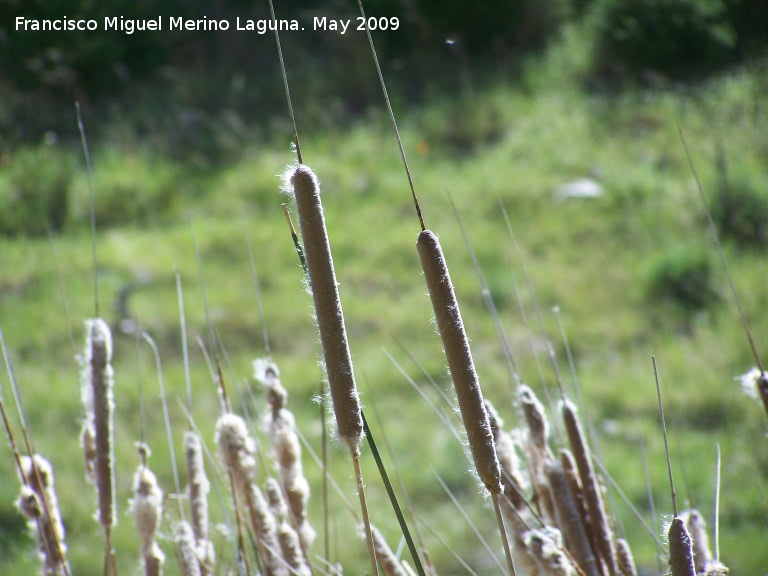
186, 551
537, 450
303, 185
198, 500
287, 449
462, 369
97, 395
288, 538
626, 559
697, 528
147, 509
680, 544
39, 504
546, 546
593, 493
570, 521
237, 453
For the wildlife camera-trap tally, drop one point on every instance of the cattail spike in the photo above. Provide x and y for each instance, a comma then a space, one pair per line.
97, 384
593, 493
330, 319
40, 505
460, 362
680, 549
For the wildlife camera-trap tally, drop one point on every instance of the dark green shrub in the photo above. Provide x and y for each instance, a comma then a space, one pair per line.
740, 211
682, 279
679, 39
34, 192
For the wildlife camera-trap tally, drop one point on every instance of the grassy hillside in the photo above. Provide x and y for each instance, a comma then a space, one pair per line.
633, 271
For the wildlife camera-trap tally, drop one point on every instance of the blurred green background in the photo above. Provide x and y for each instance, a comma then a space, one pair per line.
531, 105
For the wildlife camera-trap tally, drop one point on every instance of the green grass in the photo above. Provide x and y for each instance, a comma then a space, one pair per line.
593, 258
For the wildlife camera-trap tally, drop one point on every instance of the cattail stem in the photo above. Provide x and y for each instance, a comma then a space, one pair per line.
503, 532
364, 511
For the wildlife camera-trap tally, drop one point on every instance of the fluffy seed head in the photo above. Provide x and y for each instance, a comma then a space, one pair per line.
198, 486
236, 448
147, 504
186, 554
39, 503
535, 417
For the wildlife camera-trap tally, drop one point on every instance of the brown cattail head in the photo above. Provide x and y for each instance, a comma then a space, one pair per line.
626, 559
535, 417
97, 394
680, 549
325, 293
459, 357
697, 528
511, 477
593, 493
570, 521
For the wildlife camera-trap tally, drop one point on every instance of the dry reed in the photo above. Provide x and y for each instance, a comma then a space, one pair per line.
237, 453
697, 528
198, 501
537, 450
287, 537
389, 562
593, 493
545, 545
287, 450
570, 521
626, 559
147, 508
186, 554
40, 505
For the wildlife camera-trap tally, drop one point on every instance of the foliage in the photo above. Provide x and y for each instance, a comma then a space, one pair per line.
740, 207
679, 39
684, 278
34, 191
130, 188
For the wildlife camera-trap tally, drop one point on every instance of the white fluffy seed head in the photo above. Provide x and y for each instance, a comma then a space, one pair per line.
186, 553
147, 504
236, 448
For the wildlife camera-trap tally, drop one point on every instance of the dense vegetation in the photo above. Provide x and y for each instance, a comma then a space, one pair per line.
493, 119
